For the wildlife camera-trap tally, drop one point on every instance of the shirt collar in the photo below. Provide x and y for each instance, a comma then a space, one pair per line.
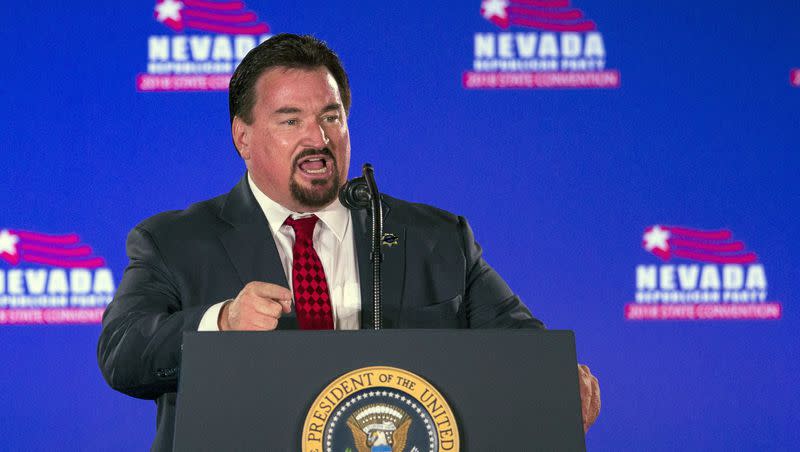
335, 216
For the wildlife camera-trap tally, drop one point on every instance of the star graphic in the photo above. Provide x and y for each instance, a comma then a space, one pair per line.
169, 9
656, 238
8, 243
494, 8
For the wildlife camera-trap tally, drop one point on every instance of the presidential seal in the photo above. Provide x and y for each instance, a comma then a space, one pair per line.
380, 409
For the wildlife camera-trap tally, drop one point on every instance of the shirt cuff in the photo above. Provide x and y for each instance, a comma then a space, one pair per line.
209, 320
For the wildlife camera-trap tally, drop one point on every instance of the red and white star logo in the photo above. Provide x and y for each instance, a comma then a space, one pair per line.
168, 12
8, 247
656, 238
656, 241
495, 11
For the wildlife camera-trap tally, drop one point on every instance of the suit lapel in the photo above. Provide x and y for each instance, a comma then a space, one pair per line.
250, 245
393, 269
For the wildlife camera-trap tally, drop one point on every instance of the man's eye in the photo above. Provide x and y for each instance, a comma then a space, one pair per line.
331, 118
291, 122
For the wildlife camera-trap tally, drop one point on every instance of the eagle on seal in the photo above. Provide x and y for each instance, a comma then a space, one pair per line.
379, 428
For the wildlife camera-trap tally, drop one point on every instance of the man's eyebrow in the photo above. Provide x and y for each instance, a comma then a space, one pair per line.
286, 110
293, 110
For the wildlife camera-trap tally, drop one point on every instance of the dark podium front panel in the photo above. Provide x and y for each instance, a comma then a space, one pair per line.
510, 390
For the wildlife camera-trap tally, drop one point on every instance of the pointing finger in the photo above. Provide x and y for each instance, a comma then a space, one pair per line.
268, 290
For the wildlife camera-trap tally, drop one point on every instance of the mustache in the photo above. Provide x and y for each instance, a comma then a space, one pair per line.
309, 152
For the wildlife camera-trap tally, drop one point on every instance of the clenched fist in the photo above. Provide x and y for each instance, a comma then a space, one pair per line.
257, 308
590, 396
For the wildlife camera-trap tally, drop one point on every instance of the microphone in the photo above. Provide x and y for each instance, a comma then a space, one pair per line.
362, 193
355, 194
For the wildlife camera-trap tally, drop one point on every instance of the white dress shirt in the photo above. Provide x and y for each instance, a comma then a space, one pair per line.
333, 242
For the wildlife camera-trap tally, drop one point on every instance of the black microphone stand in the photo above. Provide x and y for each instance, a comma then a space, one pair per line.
360, 193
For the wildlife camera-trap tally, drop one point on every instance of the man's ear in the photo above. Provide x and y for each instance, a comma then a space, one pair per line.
241, 137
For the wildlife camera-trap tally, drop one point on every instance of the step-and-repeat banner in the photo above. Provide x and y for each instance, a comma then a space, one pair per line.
630, 169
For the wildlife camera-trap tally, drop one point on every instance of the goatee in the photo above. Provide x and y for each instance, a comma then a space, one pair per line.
313, 196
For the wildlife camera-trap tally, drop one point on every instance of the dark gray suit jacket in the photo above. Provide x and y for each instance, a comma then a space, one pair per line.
183, 262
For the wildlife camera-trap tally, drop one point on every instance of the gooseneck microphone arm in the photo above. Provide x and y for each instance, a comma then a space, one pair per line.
362, 193
375, 256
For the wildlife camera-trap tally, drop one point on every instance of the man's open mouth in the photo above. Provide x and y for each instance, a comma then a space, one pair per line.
315, 164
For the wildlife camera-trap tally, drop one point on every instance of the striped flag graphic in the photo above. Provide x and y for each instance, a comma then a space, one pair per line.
64, 251
717, 247
226, 16
547, 15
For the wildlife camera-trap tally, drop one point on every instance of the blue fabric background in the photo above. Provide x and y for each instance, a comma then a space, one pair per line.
557, 184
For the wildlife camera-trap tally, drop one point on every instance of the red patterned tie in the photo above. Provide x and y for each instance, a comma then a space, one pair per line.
311, 298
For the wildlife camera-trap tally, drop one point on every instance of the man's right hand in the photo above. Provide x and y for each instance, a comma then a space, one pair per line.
257, 308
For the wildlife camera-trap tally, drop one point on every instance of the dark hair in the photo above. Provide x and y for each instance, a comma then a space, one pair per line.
284, 50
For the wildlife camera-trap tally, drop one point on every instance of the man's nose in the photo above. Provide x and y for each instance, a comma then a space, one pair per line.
316, 136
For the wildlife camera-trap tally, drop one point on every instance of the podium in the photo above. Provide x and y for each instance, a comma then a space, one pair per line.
388, 390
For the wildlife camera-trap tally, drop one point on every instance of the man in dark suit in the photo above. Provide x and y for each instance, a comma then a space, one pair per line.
224, 264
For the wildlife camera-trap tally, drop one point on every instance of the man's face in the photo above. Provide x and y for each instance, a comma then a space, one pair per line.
297, 149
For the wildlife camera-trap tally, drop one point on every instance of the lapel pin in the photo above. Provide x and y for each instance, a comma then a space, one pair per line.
389, 239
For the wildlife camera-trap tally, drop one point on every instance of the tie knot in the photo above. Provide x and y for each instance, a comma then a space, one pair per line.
303, 227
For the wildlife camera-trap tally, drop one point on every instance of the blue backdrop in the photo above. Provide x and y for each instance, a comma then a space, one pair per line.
559, 183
